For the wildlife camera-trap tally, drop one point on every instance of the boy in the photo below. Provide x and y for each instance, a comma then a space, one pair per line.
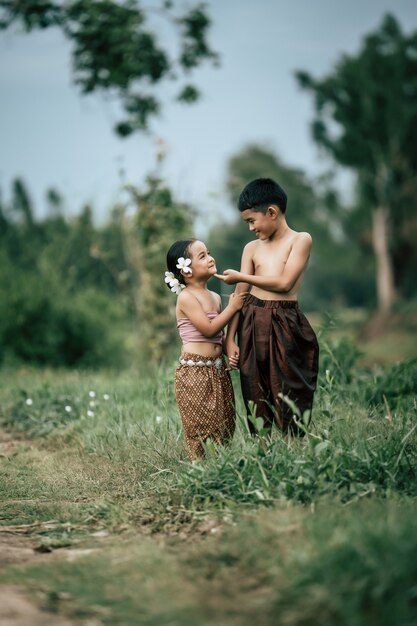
277, 348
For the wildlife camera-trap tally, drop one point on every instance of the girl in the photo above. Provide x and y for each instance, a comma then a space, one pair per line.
203, 388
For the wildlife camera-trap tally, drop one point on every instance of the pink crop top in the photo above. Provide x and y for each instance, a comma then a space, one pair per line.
189, 333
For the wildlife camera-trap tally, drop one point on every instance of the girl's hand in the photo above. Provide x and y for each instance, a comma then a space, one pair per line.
237, 300
230, 277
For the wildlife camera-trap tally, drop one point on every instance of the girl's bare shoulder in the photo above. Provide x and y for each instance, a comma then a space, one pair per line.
216, 299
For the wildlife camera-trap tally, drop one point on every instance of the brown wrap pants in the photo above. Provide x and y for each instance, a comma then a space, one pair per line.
279, 353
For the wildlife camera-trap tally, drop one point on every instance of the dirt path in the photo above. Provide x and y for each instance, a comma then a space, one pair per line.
17, 547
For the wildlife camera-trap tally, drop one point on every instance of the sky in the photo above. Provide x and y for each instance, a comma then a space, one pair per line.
52, 136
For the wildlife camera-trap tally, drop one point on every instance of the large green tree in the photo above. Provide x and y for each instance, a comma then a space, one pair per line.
116, 50
366, 118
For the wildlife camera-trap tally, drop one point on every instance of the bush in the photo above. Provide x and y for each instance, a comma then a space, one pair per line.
42, 324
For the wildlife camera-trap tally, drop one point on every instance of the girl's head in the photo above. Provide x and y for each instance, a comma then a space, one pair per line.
177, 250
194, 250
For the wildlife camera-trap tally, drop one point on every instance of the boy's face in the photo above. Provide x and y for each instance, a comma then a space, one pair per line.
262, 224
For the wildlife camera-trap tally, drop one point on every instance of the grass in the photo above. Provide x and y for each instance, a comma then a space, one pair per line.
332, 566
318, 530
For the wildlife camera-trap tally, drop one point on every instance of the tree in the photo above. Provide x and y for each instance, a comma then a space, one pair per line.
366, 118
116, 51
157, 222
59, 303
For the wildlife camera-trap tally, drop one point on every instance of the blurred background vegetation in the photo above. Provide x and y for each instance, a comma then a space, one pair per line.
76, 293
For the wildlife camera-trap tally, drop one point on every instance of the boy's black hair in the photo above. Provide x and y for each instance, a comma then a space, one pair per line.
260, 193
178, 249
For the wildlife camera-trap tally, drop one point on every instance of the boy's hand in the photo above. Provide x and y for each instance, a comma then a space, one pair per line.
232, 352
230, 277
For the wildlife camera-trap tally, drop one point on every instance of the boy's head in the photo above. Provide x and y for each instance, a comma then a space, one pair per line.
261, 193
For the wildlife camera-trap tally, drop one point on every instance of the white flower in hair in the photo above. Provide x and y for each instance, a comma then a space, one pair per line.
183, 264
174, 284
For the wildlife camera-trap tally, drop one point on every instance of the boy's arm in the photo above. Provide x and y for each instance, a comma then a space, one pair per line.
294, 267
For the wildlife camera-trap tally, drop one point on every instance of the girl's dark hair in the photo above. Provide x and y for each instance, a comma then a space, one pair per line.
178, 249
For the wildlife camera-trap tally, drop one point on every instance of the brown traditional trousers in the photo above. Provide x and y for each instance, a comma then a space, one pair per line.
278, 354
206, 403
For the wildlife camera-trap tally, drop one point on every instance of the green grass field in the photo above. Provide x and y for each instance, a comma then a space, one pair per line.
318, 530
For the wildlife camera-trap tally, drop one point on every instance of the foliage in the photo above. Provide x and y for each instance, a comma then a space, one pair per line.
59, 287
354, 566
115, 50
115, 466
355, 446
395, 385
158, 221
366, 118
70, 291
40, 325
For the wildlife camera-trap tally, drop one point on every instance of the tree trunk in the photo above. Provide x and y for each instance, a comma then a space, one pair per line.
384, 272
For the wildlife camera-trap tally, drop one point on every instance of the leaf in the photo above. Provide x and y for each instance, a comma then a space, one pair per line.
323, 445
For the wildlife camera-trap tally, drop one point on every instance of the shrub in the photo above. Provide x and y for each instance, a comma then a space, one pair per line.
44, 325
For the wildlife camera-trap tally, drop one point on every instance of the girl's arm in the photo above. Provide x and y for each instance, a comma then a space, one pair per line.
190, 307
294, 267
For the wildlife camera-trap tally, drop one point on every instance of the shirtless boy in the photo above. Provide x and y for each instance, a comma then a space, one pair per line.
277, 349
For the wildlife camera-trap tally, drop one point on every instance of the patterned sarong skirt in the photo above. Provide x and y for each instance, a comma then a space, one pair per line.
205, 400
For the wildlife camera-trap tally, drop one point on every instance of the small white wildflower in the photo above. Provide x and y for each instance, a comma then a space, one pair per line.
90, 413
68, 409
158, 419
92, 403
29, 401
106, 396
92, 394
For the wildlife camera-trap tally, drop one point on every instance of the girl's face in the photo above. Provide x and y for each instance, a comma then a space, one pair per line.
202, 263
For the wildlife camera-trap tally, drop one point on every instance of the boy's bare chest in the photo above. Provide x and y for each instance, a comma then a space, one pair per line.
269, 261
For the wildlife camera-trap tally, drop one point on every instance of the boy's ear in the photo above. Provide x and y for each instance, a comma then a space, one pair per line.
272, 211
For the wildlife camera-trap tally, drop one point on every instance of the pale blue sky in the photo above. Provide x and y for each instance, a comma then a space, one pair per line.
52, 136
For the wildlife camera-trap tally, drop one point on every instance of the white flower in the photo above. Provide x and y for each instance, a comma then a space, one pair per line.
169, 276
92, 394
106, 396
183, 264
174, 284
92, 403
158, 419
29, 401
68, 409
90, 413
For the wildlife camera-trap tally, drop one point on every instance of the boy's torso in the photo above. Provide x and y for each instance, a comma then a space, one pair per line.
269, 259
